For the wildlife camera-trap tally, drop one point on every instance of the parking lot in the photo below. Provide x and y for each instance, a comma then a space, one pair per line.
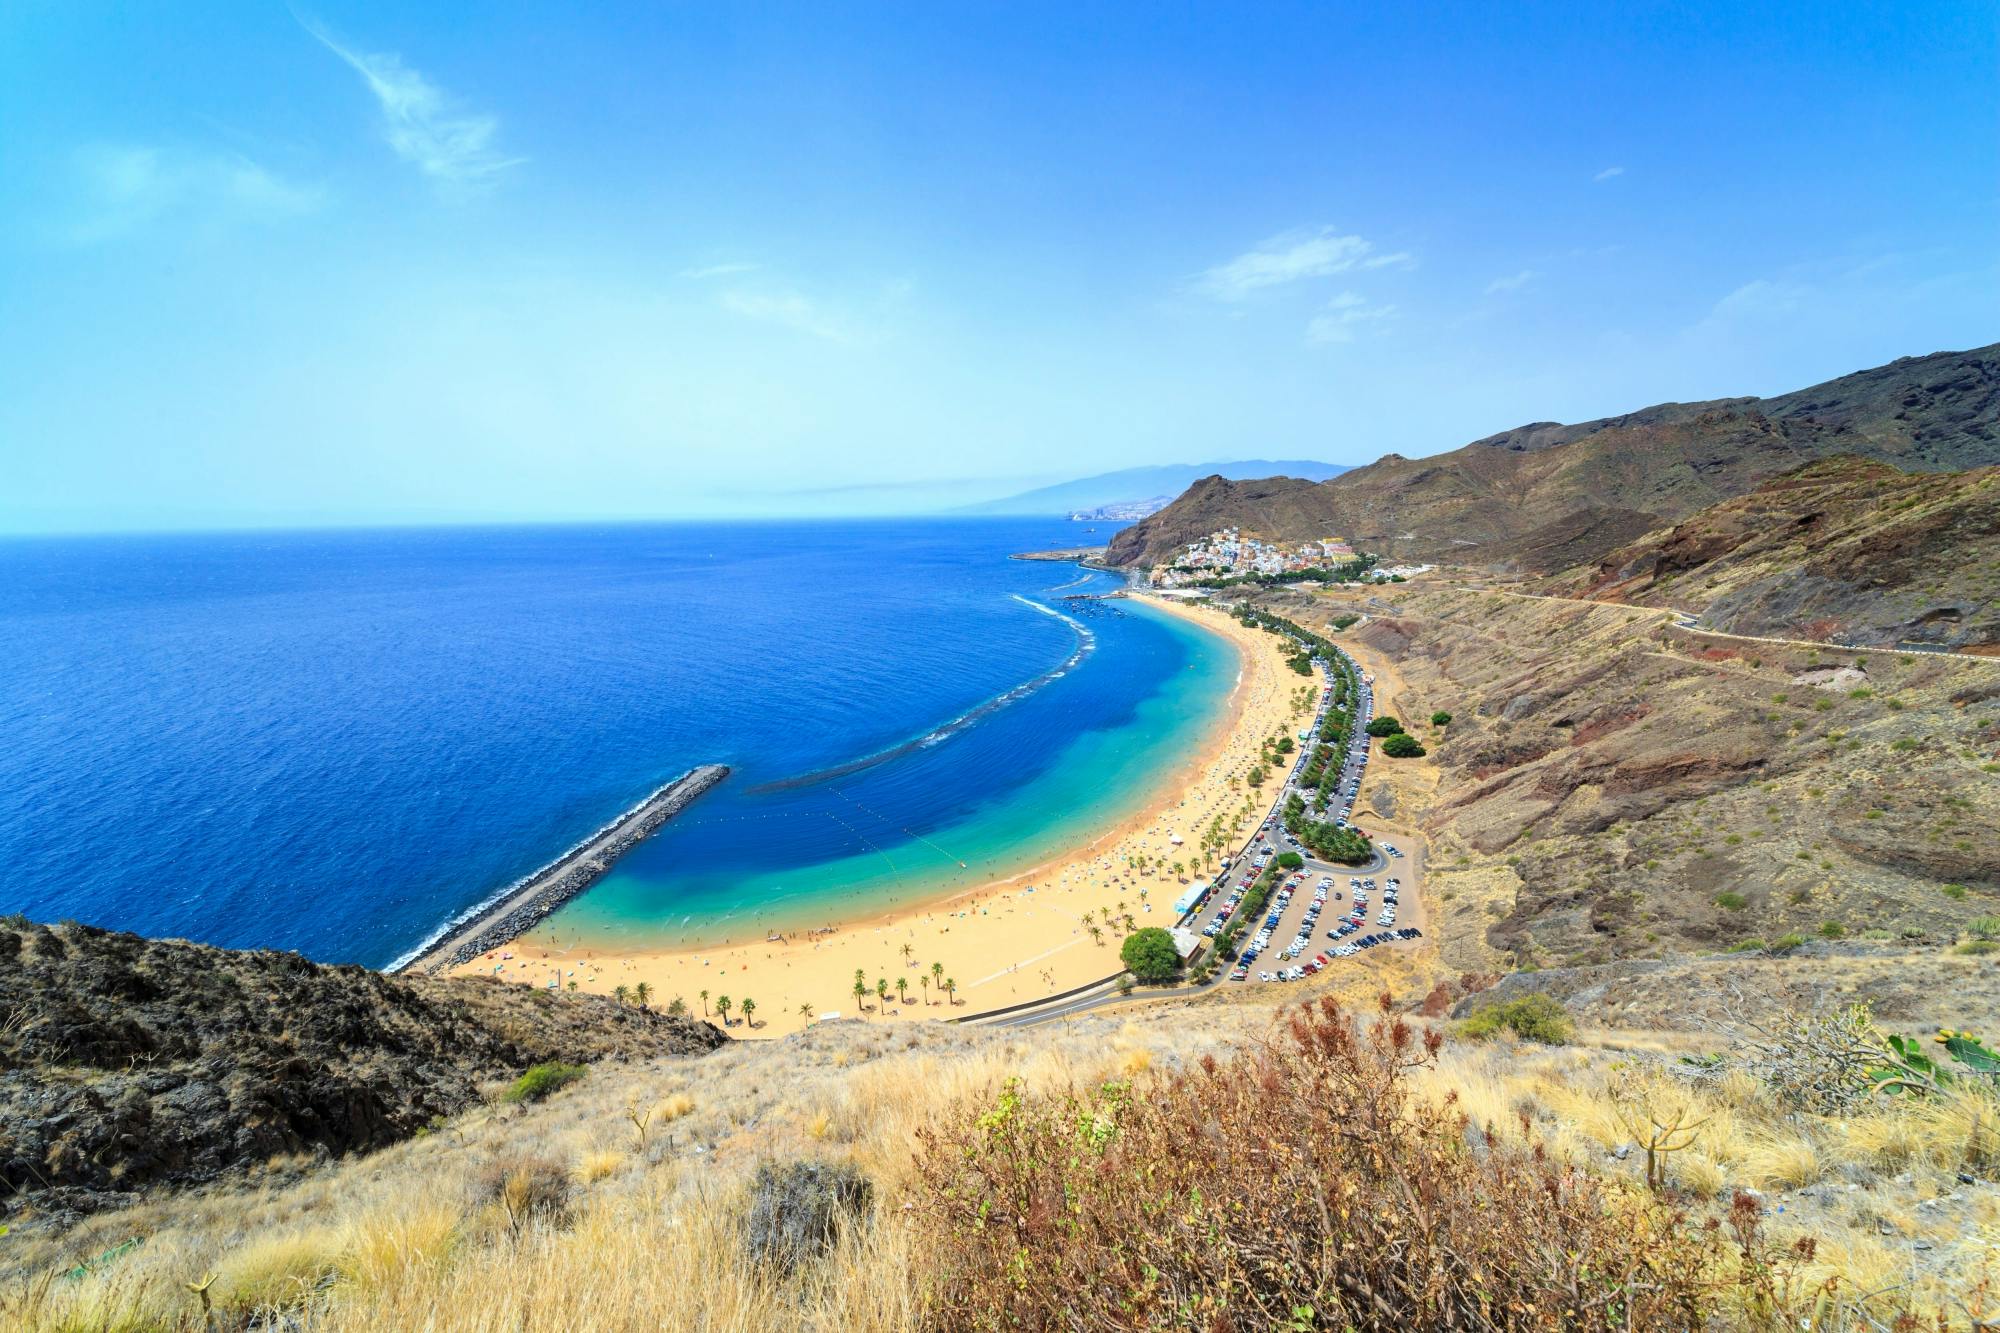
1322, 913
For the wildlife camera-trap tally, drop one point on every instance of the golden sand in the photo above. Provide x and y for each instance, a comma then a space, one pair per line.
1003, 942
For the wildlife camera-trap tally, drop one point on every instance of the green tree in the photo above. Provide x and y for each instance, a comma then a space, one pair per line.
1255, 777
902, 990
677, 1007
704, 1004
881, 991
1440, 719
1383, 726
1402, 745
1150, 955
749, 1008
722, 1007
950, 991
925, 981
572, 985
619, 993
937, 974
642, 994
1290, 861
860, 990
806, 1011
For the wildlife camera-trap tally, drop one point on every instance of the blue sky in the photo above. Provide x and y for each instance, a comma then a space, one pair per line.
356, 262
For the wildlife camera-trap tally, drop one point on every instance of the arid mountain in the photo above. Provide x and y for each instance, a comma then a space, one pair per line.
127, 1063
1544, 497
1844, 550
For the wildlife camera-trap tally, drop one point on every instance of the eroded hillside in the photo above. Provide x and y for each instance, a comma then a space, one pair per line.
1611, 786
1844, 550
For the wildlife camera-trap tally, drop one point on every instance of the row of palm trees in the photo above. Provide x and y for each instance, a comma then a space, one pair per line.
935, 977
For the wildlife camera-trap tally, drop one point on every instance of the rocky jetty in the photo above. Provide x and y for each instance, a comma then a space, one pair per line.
521, 909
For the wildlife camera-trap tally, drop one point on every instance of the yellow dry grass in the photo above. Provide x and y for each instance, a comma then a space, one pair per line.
412, 1237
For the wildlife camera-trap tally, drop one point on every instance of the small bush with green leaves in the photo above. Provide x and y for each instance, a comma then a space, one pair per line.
1403, 745
543, 1079
1536, 1017
1731, 901
1984, 927
1440, 718
1384, 726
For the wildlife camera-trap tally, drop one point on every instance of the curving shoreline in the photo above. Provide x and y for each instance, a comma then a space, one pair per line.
519, 911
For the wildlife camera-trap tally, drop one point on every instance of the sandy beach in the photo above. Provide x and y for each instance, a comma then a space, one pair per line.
1001, 943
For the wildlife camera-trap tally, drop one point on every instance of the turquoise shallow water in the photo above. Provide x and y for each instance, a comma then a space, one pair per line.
669, 892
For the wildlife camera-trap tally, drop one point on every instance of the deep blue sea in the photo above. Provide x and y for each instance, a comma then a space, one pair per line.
336, 741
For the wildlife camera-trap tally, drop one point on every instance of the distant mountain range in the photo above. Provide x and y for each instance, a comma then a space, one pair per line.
1546, 497
1135, 485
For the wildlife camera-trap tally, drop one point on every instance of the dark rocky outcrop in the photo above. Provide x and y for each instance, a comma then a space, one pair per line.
128, 1063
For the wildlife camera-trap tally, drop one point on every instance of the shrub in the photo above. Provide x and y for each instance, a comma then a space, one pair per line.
528, 1189
1787, 943
1536, 1017
1731, 901
1383, 726
1149, 954
1832, 930
1303, 1183
1983, 927
1402, 745
543, 1079
1440, 719
1290, 861
798, 1209
1978, 948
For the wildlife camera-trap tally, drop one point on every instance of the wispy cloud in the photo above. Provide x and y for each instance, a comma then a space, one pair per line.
1513, 282
1608, 173
1760, 299
452, 146
125, 187
719, 270
1291, 257
789, 309
1343, 317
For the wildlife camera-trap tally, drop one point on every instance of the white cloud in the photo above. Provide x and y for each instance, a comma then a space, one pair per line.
1513, 282
719, 270
1343, 316
1608, 173
125, 187
1400, 259
788, 309
452, 146
1291, 257
1760, 298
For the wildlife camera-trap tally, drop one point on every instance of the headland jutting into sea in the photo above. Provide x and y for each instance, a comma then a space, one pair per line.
520, 909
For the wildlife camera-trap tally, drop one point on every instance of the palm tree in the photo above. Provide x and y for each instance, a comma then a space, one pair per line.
937, 973
1130, 924
643, 993
902, 990
881, 991
951, 991
619, 993
704, 1004
925, 982
722, 1007
749, 1008
677, 1007
1144, 892
860, 989
806, 1011
907, 951
1096, 934
572, 985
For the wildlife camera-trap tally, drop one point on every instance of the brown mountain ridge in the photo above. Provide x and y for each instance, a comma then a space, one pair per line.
1545, 497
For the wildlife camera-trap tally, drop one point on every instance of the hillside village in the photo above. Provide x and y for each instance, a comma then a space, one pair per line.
1229, 554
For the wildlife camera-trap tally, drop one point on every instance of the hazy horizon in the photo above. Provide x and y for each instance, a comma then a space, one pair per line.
352, 265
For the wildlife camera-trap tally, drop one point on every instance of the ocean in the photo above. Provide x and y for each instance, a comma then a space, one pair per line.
336, 742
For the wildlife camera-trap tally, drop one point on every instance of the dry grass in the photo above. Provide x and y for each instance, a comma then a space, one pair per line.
414, 1238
